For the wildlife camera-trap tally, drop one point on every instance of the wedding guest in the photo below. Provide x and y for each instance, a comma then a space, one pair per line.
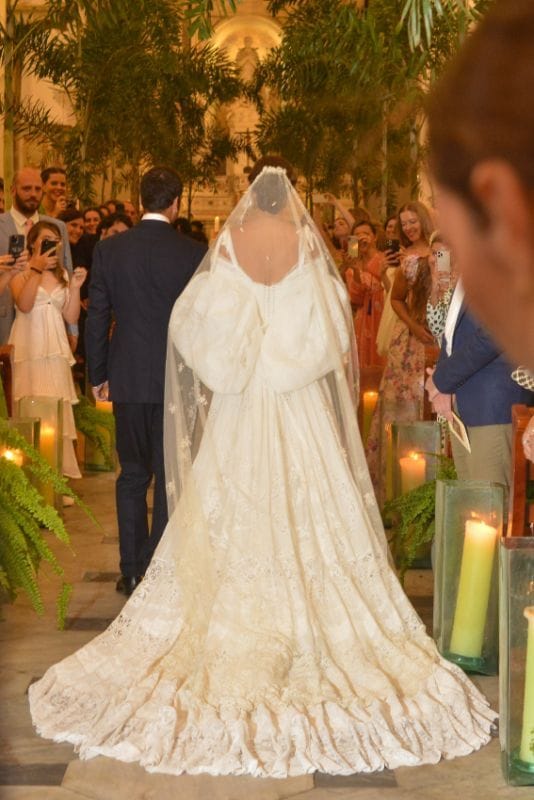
390, 265
112, 225
473, 379
46, 298
443, 283
131, 211
54, 190
26, 194
481, 138
366, 292
91, 219
401, 392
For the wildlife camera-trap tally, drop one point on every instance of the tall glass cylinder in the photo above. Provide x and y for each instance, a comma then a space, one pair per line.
416, 448
516, 672
94, 458
49, 410
469, 520
29, 429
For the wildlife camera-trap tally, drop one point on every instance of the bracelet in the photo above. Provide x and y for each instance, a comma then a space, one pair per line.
38, 271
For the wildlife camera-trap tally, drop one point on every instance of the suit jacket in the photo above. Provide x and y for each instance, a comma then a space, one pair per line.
136, 277
479, 375
7, 229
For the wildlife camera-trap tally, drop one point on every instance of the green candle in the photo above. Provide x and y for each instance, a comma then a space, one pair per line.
527, 733
473, 589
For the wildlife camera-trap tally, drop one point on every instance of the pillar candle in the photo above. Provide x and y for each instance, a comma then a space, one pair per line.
473, 589
370, 400
105, 405
412, 471
48, 450
216, 224
527, 731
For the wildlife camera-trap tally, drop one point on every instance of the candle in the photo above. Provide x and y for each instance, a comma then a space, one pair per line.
412, 471
13, 455
47, 448
370, 400
473, 589
216, 224
105, 405
527, 733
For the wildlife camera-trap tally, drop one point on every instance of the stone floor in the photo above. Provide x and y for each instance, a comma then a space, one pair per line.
32, 768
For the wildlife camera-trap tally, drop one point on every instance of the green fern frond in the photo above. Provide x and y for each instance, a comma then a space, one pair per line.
91, 421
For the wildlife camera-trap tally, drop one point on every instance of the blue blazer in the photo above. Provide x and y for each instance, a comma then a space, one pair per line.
479, 375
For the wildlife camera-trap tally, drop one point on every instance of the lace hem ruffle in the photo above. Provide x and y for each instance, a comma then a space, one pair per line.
168, 730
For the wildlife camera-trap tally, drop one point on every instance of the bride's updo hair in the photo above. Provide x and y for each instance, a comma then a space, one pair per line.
272, 161
270, 195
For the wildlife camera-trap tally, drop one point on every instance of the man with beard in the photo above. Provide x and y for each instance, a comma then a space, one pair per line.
26, 192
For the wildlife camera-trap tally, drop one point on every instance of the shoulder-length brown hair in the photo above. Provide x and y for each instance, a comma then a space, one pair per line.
32, 237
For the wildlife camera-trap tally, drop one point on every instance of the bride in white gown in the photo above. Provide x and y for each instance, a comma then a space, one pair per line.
270, 636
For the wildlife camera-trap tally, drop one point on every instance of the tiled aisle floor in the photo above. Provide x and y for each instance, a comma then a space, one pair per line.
32, 768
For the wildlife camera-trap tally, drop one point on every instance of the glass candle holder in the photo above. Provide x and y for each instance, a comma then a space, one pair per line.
29, 429
416, 448
469, 520
49, 410
516, 662
94, 459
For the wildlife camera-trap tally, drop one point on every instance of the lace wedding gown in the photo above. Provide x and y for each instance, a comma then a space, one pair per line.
270, 636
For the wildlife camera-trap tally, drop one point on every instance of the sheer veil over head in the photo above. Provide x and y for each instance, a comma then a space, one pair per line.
266, 311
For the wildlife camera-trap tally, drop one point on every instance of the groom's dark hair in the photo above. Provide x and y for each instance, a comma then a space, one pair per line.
160, 187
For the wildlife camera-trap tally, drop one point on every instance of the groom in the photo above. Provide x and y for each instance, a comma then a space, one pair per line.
135, 280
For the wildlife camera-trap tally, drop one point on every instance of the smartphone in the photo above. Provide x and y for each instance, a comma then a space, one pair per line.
352, 247
393, 245
47, 245
16, 245
443, 260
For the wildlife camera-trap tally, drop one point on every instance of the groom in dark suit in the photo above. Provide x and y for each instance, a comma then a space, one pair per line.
135, 280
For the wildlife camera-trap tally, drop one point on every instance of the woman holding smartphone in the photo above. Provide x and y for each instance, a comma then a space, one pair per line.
401, 392
45, 301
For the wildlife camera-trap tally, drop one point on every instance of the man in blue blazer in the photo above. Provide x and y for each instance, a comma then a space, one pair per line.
135, 280
26, 191
473, 375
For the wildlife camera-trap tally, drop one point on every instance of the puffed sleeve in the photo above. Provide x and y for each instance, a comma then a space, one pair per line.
307, 337
217, 329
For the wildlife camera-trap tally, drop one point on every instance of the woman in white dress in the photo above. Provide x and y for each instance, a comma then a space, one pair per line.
45, 300
270, 636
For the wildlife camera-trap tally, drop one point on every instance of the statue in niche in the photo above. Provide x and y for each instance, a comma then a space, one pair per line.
247, 60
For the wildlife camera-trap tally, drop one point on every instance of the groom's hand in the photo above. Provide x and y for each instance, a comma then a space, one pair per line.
101, 392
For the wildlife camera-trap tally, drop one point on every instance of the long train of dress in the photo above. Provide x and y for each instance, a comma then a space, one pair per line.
270, 636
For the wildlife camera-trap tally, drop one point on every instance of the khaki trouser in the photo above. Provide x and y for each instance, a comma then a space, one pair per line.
490, 458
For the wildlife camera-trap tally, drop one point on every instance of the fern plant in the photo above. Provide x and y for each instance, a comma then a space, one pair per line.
98, 426
411, 516
23, 515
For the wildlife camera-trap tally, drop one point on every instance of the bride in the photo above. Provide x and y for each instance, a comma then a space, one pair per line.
270, 636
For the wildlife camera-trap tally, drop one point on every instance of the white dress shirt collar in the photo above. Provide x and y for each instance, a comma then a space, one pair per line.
155, 215
20, 220
452, 315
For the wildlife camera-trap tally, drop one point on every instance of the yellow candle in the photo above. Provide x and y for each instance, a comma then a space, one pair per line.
48, 450
473, 589
527, 733
105, 405
413, 471
370, 400
13, 455
216, 224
